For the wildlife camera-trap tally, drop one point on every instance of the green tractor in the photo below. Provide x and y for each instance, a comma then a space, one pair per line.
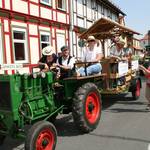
36, 99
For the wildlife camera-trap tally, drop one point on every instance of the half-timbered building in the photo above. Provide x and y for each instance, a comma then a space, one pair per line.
26, 26
86, 12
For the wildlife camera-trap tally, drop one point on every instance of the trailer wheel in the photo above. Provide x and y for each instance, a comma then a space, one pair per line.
136, 92
87, 107
2, 138
41, 136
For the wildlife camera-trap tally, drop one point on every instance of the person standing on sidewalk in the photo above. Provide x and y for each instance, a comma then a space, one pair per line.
147, 90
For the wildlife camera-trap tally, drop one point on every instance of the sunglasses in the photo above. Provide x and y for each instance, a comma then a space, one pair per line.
91, 41
65, 50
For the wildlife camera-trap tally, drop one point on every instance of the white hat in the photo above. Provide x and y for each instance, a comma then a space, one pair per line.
91, 38
120, 40
48, 50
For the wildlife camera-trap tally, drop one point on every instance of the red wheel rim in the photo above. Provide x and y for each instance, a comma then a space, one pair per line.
45, 140
138, 88
92, 107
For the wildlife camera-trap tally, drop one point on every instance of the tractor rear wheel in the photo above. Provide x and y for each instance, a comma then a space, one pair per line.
41, 136
2, 138
87, 107
136, 92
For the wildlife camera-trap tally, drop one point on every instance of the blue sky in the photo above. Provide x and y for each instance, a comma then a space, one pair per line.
138, 14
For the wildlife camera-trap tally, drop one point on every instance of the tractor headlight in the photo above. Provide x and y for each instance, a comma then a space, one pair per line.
34, 75
43, 75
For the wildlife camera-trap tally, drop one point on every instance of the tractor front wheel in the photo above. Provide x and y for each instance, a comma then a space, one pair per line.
41, 136
87, 107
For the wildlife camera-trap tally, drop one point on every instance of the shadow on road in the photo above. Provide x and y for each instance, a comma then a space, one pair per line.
109, 100
66, 127
10, 144
121, 110
120, 138
121, 100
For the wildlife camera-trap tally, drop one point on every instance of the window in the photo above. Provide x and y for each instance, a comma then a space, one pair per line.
46, 2
116, 18
113, 17
102, 10
1, 48
94, 5
61, 4
45, 39
89, 10
20, 45
84, 2
109, 14
60, 40
80, 21
80, 8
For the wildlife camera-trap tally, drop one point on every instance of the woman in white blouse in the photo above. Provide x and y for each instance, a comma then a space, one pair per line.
93, 55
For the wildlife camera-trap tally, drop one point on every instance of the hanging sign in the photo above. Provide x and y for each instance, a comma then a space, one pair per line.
135, 65
122, 68
11, 66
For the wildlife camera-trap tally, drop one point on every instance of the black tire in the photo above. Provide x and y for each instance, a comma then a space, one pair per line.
42, 134
87, 107
136, 92
2, 138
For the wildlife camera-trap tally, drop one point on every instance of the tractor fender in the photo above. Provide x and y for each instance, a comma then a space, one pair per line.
133, 84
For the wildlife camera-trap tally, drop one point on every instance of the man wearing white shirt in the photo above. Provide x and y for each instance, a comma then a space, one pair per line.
65, 62
91, 54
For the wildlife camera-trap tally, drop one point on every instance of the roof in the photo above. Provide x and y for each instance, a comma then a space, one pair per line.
105, 29
111, 5
145, 37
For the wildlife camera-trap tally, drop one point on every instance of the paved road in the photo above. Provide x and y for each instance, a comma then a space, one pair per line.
124, 125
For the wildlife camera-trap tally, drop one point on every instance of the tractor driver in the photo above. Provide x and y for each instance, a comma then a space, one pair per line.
48, 60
